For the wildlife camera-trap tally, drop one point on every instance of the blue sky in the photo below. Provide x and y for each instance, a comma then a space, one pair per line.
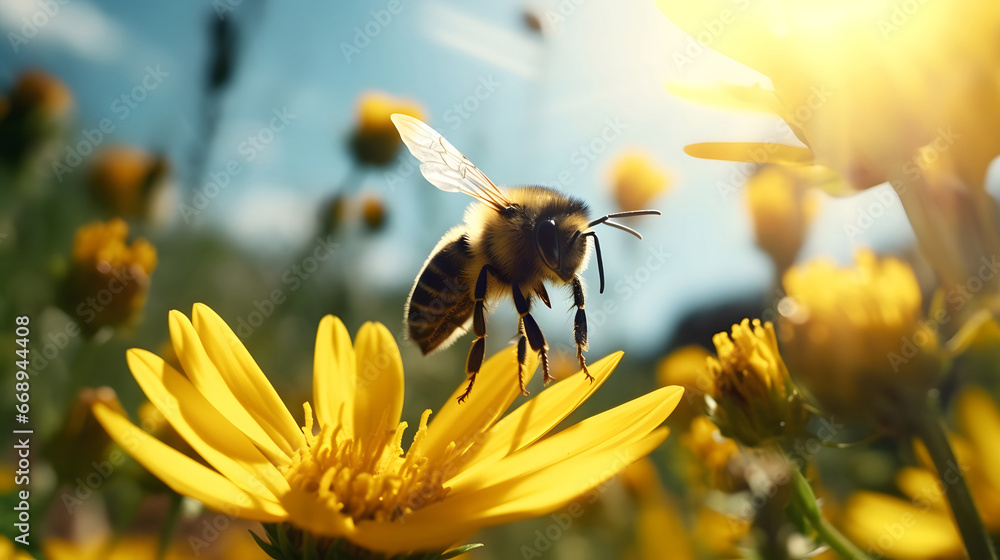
600, 66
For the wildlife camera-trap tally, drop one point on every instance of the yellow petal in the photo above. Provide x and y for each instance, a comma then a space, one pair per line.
922, 487
979, 420
206, 377
539, 493
185, 475
752, 152
535, 418
245, 379
496, 387
334, 375
203, 427
378, 397
730, 96
893, 528
618, 427
315, 516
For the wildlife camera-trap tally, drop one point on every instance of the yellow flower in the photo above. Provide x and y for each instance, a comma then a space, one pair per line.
853, 336
375, 139
782, 210
754, 401
717, 455
123, 177
108, 280
636, 181
822, 58
130, 547
344, 474
660, 528
687, 367
922, 527
374, 212
934, 104
81, 442
11, 552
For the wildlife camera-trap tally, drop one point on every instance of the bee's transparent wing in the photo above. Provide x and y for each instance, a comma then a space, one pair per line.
444, 166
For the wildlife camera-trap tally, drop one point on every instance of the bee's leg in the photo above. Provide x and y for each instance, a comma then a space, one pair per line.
475, 360
530, 329
522, 356
580, 326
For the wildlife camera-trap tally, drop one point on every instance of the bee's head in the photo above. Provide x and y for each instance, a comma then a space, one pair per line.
560, 246
562, 243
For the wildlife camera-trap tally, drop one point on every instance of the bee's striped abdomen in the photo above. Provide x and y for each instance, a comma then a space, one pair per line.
440, 305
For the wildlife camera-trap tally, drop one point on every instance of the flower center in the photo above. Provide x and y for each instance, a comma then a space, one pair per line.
367, 478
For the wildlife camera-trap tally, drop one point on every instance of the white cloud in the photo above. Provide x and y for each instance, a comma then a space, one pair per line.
77, 26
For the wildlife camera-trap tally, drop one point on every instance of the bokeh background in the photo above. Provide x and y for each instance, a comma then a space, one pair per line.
231, 146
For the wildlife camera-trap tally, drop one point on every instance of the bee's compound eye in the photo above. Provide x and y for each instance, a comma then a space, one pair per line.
547, 241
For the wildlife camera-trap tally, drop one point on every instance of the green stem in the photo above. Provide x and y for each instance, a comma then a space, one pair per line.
829, 534
170, 525
929, 428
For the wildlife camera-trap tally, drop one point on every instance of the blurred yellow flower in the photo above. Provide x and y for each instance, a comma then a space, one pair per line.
922, 527
754, 400
129, 547
32, 113
344, 474
123, 178
934, 105
636, 180
108, 280
11, 552
855, 337
719, 456
660, 527
81, 442
688, 367
782, 209
375, 140
934, 66
373, 212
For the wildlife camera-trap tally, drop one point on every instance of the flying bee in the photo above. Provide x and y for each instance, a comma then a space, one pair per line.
514, 239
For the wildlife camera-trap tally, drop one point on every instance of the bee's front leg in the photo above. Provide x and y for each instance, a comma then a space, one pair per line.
534, 334
580, 326
478, 350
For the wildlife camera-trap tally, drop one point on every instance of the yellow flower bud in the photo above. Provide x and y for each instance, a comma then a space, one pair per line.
636, 181
782, 210
123, 178
754, 400
108, 280
375, 140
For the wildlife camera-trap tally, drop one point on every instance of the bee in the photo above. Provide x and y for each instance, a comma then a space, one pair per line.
513, 241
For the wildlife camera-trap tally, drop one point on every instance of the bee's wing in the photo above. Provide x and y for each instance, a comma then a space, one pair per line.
444, 166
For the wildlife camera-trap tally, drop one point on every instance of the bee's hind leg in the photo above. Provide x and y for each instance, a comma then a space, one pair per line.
580, 326
529, 328
476, 353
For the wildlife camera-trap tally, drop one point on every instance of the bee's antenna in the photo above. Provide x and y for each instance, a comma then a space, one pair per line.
600, 261
606, 220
